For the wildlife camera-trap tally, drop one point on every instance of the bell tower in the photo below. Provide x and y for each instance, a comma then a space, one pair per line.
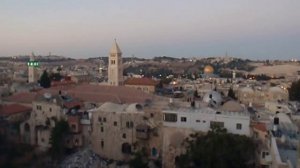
115, 66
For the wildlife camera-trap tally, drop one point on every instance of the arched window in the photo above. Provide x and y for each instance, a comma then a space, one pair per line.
27, 127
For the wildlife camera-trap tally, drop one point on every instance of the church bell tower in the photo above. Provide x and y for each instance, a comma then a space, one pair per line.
115, 66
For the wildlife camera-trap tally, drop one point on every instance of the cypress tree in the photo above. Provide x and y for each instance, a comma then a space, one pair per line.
45, 80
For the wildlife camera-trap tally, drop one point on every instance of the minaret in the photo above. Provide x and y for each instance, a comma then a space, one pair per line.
115, 66
32, 74
233, 74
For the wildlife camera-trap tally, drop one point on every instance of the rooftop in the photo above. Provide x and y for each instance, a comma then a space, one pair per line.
206, 110
10, 109
141, 81
89, 93
260, 126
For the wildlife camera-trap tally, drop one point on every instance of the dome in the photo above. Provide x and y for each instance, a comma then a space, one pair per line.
208, 69
247, 89
276, 90
232, 106
213, 96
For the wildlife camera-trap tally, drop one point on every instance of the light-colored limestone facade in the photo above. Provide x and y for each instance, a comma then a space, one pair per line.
253, 96
115, 66
36, 130
119, 130
180, 123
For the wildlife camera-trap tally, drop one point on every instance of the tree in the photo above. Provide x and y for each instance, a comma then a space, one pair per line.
218, 149
294, 91
139, 160
231, 93
45, 80
57, 139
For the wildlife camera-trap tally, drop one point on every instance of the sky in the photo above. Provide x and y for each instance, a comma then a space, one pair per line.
254, 29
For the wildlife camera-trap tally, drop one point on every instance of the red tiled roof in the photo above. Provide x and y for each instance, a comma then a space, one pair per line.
141, 81
260, 127
10, 109
61, 83
72, 104
88, 92
23, 97
104, 93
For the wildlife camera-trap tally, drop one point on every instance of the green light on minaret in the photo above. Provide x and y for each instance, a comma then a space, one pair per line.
33, 64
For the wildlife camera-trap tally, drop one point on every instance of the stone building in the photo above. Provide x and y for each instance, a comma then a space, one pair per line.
115, 66
46, 111
145, 84
179, 123
119, 130
258, 96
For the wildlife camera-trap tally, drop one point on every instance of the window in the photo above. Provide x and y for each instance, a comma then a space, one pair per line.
170, 117
102, 143
104, 119
76, 141
99, 119
197, 121
101, 129
238, 126
43, 140
183, 119
115, 123
216, 124
73, 126
50, 109
124, 136
131, 124
126, 148
112, 62
38, 107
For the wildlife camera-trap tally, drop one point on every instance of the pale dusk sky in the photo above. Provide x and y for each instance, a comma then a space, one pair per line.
254, 29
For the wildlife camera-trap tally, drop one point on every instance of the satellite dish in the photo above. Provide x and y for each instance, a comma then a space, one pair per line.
47, 95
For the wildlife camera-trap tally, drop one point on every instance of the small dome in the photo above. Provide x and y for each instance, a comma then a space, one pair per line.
208, 69
276, 89
213, 96
232, 106
247, 89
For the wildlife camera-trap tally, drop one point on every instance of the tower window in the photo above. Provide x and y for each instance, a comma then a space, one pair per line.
238, 126
115, 123
112, 62
102, 143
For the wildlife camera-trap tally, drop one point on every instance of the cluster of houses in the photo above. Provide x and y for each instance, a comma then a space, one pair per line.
120, 117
